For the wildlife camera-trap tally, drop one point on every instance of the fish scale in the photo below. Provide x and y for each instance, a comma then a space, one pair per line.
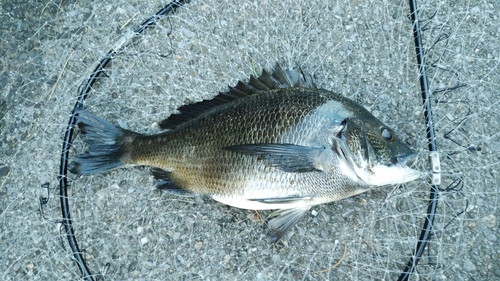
276, 142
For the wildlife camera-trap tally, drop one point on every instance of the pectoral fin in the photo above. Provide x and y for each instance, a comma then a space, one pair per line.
287, 157
282, 221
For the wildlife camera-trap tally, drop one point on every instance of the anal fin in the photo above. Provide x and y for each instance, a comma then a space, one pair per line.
163, 182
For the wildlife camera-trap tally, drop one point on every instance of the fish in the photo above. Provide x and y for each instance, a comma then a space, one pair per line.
274, 142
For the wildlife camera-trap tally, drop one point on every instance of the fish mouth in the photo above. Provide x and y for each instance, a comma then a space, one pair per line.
394, 174
373, 173
406, 159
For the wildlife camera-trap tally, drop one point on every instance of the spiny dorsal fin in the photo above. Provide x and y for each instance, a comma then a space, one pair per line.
265, 82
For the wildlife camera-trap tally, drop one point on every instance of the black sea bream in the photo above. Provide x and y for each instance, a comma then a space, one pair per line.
274, 142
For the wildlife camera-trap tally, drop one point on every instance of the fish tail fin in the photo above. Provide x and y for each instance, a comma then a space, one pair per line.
107, 145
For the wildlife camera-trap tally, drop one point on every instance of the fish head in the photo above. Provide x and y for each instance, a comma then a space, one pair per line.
374, 151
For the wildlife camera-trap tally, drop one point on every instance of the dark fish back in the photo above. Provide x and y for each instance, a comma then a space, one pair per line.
266, 82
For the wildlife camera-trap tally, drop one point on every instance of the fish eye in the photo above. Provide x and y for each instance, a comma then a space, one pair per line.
387, 134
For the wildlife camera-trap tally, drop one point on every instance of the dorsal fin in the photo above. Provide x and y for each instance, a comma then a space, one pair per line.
265, 82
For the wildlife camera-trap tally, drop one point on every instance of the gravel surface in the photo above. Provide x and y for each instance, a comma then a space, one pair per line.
128, 230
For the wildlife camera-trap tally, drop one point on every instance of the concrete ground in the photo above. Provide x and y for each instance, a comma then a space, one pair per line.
128, 230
